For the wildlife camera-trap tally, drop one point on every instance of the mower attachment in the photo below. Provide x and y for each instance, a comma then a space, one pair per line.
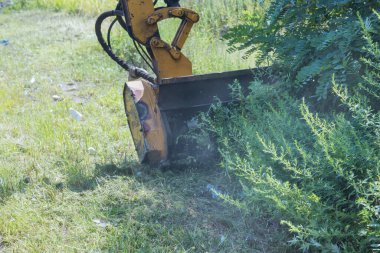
159, 114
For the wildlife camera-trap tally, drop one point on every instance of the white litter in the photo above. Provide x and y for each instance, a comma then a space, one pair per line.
57, 98
75, 114
100, 223
91, 151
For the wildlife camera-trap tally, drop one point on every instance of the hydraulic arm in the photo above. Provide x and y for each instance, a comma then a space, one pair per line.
140, 19
159, 107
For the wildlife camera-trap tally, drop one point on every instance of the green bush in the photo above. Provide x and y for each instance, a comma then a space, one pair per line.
308, 41
319, 174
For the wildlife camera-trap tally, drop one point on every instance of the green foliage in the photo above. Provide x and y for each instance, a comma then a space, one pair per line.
319, 174
73, 6
309, 41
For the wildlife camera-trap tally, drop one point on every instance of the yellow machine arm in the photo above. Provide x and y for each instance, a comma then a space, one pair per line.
160, 108
140, 19
142, 24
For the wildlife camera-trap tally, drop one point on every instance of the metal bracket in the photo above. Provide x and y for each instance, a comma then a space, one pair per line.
173, 12
158, 43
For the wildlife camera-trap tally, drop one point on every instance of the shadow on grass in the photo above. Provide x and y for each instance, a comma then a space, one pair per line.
174, 211
171, 210
80, 180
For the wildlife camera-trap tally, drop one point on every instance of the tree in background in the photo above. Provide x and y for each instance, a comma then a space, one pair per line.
309, 41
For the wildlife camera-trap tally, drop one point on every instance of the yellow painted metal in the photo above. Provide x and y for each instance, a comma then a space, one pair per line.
189, 17
173, 12
158, 43
140, 98
182, 34
134, 123
138, 12
145, 121
169, 61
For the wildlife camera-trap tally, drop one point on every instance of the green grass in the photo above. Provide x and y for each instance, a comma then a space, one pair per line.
84, 7
204, 47
56, 196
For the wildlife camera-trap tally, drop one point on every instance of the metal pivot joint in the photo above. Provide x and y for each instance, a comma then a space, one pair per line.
158, 43
189, 18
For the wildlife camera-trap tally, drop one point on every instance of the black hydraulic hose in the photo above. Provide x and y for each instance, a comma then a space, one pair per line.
172, 3
109, 33
144, 55
141, 54
125, 65
119, 8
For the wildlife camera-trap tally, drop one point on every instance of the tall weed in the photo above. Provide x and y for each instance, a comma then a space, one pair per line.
319, 174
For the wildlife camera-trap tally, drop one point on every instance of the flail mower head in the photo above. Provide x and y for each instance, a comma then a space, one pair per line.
160, 108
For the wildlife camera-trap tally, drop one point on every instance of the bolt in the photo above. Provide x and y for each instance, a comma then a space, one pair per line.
151, 21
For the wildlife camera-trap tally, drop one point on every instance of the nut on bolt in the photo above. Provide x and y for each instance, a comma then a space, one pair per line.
155, 42
151, 21
177, 13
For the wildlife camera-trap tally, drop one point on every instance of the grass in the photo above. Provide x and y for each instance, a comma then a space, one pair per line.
204, 47
57, 194
83, 7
